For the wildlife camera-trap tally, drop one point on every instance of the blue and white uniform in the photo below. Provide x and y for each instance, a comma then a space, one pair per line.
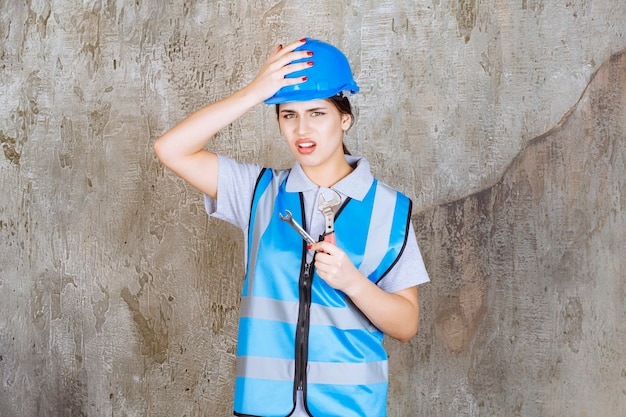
300, 338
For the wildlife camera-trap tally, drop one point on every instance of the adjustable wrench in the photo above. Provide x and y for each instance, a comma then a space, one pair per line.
328, 209
289, 219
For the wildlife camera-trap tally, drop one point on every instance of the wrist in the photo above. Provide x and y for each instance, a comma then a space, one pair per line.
249, 96
357, 285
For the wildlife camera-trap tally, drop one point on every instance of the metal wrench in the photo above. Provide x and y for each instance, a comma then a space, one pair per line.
289, 219
328, 209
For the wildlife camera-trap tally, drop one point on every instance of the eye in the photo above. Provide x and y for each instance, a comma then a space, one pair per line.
289, 115
317, 113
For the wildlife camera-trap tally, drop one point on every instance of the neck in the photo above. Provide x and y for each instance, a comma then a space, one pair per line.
328, 175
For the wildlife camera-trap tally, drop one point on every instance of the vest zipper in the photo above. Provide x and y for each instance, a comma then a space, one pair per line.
302, 331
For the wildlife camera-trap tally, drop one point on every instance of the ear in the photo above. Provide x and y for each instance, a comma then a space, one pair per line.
346, 122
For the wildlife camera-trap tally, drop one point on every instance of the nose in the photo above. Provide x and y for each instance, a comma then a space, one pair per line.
303, 126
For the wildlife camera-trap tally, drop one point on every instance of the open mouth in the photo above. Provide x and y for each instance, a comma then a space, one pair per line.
305, 146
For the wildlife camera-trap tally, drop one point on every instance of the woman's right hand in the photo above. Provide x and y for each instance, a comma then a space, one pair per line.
271, 76
181, 148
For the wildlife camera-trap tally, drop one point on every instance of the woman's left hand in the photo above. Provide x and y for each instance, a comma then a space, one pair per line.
335, 267
396, 314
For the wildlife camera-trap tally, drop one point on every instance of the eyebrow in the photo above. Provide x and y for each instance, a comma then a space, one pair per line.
314, 109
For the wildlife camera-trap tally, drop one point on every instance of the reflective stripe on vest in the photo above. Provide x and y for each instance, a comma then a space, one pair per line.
346, 369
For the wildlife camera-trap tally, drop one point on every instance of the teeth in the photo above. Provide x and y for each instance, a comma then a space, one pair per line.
306, 145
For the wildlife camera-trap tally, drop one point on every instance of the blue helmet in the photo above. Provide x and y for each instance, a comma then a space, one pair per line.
329, 75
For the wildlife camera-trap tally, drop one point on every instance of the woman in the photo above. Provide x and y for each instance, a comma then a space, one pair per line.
313, 315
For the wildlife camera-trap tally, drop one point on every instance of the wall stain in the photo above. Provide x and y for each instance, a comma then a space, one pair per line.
68, 140
453, 327
153, 326
24, 117
221, 315
519, 249
99, 117
40, 18
100, 307
45, 301
572, 315
466, 12
9, 149
533, 5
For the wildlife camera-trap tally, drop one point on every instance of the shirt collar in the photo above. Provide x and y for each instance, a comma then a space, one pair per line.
355, 185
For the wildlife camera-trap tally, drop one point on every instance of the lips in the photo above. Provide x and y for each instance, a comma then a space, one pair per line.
305, 146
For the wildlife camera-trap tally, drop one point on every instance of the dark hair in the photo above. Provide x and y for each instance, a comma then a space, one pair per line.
342, 104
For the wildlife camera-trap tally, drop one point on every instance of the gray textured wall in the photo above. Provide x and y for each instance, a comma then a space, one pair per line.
503, 120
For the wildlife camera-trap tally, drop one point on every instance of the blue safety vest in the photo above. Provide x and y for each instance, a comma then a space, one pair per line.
297, 332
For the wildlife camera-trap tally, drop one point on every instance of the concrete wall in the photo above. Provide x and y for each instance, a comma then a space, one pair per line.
503, 120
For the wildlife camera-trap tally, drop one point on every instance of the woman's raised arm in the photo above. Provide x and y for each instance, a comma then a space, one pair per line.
181, 148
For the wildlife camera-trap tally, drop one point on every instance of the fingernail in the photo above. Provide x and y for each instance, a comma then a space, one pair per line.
310, 64
309, 247
303, 40
280, 46
305, 78
309, 53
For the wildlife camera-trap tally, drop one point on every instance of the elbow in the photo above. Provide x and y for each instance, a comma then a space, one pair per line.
406, 321
158, 149
407, 333
161, 152
404, 339
411, 323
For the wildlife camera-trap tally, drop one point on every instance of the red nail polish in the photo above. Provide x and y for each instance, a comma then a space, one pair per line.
310, 64
305, 78
303, 40
309, 247
309, 53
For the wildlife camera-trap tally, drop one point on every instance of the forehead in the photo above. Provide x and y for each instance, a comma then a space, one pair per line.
303, 106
